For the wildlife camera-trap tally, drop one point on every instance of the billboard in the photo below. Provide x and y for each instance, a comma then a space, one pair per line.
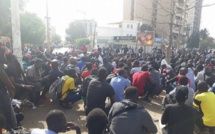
146, 38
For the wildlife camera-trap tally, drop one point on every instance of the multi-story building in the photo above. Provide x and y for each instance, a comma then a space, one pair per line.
118, 34
194, 15
157, 13
89, 25
140, 10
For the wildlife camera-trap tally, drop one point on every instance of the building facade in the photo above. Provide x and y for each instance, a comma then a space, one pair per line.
89, 26
118, 34
194, 15
157, 13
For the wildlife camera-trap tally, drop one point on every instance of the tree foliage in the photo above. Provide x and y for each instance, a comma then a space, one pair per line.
207, 43
145, 27
56, 39
204, 34
32, 29
75, 31
193, 40
82, 41
5, 17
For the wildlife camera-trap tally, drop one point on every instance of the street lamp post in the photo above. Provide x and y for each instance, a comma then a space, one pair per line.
48, 25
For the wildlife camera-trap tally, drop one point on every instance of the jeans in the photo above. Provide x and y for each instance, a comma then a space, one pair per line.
169, 88
72, 98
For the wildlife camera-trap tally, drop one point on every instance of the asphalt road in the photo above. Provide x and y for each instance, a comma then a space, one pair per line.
36, 118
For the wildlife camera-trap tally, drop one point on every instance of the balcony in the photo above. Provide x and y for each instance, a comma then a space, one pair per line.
179, 14
178, 22
180, 5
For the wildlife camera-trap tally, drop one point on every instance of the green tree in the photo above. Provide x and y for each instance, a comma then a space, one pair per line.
204, 34
207, 43
145, 27
75, 31
193, 40
32, 29
5, 17
82, 41
56, 39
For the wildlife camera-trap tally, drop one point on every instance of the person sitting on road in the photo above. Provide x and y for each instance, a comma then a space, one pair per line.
96, 121
171, 97
204, 100
86, 82
69, 93
179, 118
54, 74
136, 68
107, 65
119, 84
15, 74
144, 83
82, 63
34, 75
98, 91
128, 117
87, 72
57, 123
183, 72
64, 64
73, 64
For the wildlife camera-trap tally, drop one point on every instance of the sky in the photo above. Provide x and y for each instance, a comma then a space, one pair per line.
62, 12
208, 17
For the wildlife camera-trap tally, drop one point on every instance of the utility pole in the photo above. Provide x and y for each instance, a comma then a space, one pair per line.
132, 9
48, 26
94, 35
172, 14
15, 19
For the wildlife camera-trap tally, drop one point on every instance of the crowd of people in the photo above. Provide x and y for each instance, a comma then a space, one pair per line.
111, 83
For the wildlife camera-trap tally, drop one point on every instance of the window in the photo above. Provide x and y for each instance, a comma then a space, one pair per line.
130, 34
127, 34
128, 26
131, 26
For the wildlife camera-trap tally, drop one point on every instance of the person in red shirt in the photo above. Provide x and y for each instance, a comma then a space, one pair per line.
88, 71
84, 49
183, 72
93, 61
143, 82
74, 53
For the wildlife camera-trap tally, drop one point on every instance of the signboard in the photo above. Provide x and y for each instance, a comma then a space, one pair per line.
158, 40
124, 38
146, 38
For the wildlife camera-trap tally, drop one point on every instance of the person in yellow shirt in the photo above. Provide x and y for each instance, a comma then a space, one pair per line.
69, 93
205, 100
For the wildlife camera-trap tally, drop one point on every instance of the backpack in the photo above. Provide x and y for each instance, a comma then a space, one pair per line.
55, 90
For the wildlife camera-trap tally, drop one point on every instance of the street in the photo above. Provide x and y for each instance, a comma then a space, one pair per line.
36, 118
